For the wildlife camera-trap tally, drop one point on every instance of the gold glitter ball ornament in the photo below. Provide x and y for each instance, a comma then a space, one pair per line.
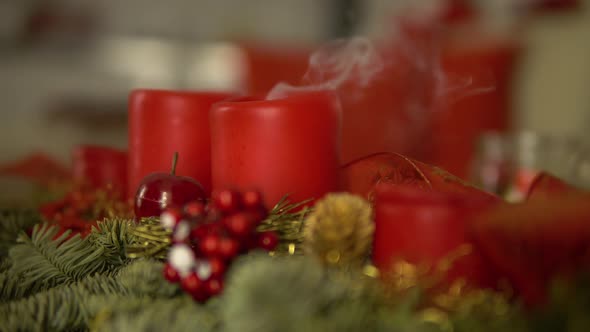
340, 230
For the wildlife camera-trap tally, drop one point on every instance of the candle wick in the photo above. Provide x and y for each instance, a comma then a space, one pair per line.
174, 162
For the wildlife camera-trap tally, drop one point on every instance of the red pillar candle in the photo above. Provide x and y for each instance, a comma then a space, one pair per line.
282, 146
163, 122
100, 167
427, 227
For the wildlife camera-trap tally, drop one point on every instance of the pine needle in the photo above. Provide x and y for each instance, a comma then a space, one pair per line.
11, 223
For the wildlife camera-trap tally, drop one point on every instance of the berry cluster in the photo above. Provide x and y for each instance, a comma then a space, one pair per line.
207, 238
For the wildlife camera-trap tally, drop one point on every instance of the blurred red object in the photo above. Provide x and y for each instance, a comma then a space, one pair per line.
437, 93
475, 100
456, 11
100, 167
430, 229
363, 175
555, 5
546, 185
38, 168
533, 242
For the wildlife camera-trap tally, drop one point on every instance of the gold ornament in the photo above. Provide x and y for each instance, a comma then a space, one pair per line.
340, 230
149, 239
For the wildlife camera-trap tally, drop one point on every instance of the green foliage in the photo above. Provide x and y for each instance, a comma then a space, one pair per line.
52, 283
298, 294
177, 314
112, 236
568, 308
12, 222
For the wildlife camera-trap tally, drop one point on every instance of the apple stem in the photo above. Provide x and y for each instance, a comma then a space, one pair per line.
174, 162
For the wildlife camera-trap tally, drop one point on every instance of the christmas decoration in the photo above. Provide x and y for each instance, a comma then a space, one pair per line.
82, 205
363, 175
193, 267
162, 122
537, 241
207, 239
286, 219
154, 240
158, 191
100, 167
425, 227
306, 124
340, 230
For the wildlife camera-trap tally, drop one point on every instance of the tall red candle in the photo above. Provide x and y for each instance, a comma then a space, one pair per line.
163, 122
282, 146
100, 167
428, 227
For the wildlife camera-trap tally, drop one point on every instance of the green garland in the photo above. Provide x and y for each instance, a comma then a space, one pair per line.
77, 284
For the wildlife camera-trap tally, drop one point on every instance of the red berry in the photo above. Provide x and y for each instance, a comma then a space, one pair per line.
209, 246
214, 214
170, 218
259, 214
240, 224
252, 199
213, 286
201, 296
228, 248
227, 200
198, 233
194, 209
217, 267
171, 274
192, 284
268, 240
69, 212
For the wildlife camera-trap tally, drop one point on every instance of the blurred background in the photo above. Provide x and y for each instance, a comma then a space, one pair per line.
67, 66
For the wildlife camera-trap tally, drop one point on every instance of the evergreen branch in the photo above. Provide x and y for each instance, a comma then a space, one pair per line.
73, 306
286, 219
11, 223
177, 314
112, 236
42, 262
5, 264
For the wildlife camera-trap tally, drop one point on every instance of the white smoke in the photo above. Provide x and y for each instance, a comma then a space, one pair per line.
335, 64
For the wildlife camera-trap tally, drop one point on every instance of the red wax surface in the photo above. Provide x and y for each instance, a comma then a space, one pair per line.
426, 227
163, 122
100, 167
477, 99
283, 146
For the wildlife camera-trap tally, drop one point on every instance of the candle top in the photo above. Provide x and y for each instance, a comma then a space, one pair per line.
295, 98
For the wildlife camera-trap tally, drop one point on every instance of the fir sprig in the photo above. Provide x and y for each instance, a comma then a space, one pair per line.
43, 260
286, 219
74, 306
12, 222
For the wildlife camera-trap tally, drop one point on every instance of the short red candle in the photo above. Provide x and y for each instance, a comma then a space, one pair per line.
163, 122
283, 146
424, 227
100, 167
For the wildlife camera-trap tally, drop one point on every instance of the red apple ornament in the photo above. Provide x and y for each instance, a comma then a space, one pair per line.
159, 191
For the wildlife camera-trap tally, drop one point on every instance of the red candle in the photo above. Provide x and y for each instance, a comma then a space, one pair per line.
164, 122
100, 167
428, 227
282, 146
